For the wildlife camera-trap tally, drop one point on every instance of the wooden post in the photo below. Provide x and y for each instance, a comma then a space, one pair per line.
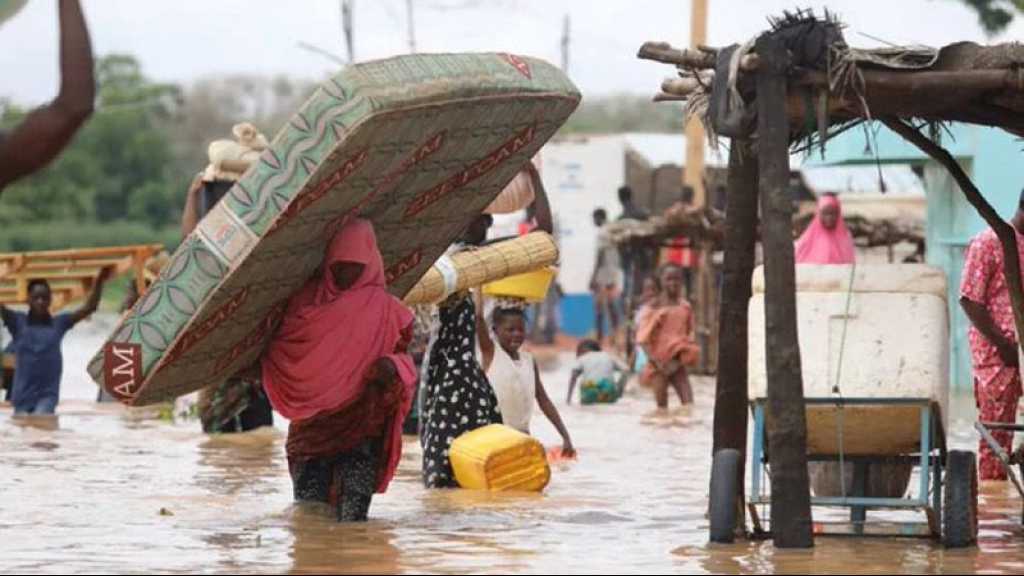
730, 428
139, 264
704, 308
711, 312
787, 422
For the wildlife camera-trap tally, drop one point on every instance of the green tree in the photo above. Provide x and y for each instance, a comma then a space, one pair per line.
124, 148
995, 16
129, 137
624, 113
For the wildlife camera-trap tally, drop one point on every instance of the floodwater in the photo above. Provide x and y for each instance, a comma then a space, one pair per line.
108, 489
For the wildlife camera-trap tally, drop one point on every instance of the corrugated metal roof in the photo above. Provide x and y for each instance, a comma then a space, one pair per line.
900, 179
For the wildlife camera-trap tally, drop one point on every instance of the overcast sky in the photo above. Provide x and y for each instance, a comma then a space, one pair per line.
184, 39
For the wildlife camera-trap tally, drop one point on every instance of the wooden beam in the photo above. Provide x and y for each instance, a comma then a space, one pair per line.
684, 86
730, 425
702, 58
81, 253
86, 272
665, 97
665, 53
139, 264
71, 273
71, 264
787, 422
989, 97
892, 82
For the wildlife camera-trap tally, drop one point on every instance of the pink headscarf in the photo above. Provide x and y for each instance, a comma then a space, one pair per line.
316, 361
818, 245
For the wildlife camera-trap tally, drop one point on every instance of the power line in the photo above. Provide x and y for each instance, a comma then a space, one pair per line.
322, 52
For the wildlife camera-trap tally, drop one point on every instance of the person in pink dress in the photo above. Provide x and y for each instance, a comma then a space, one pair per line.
985, 298
666, 335
827, 240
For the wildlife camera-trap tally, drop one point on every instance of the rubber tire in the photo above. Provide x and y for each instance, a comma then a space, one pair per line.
960, 500
725, 468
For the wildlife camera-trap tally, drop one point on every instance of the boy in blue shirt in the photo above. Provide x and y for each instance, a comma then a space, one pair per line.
36, 340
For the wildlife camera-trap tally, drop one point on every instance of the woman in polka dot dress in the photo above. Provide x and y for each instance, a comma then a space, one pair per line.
458, 397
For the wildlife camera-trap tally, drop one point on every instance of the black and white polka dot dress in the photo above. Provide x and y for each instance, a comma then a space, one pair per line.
458, 396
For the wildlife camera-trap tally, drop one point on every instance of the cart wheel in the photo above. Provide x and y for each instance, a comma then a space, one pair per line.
960, 504
725, 468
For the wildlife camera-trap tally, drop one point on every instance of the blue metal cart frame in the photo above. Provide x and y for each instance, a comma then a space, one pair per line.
931, 459
1007, 460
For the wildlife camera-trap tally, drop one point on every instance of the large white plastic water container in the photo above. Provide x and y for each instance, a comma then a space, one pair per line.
896, 346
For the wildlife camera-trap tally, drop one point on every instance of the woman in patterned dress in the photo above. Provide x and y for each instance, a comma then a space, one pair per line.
457, 396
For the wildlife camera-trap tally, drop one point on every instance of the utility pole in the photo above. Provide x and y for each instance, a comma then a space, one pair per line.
693, 174
565, 44
347, 7
412, 26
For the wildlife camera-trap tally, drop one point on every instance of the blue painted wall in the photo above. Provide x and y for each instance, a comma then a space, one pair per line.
995, 161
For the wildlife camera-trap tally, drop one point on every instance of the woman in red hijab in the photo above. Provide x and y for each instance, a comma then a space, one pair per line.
338, 369
827, 240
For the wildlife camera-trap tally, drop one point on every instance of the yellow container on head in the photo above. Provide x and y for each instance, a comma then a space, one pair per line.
530, 286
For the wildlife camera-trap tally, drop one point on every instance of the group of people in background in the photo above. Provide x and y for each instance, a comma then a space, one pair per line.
659, 318
341, 365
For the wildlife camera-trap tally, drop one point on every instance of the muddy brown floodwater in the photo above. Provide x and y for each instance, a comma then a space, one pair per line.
108, 489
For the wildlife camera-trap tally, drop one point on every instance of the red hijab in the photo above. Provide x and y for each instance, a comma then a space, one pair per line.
316, 362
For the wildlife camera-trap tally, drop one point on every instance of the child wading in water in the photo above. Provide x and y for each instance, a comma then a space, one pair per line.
597, 370
37, 336
667, 337
513, 372
650, 298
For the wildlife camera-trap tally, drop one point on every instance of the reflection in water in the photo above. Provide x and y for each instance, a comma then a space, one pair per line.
322, 546
231, 464
86, 496
41, 422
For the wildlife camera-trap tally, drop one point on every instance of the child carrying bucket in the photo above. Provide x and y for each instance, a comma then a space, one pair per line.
513, 372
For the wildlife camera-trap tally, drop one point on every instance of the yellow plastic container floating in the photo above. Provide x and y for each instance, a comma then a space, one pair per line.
530, 286
499, 458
